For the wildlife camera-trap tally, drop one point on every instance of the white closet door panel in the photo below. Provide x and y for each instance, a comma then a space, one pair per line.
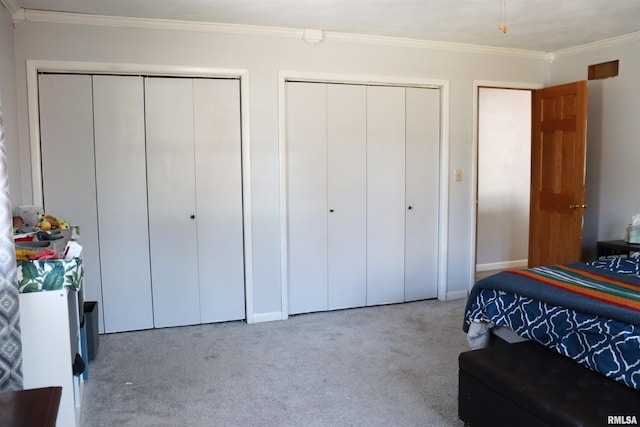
423, 172
307, 196
219, 199
171, 193
385, 194
347, 168
68, 172
122, 202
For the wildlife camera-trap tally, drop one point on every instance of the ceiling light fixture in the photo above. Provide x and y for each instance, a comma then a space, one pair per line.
503, 26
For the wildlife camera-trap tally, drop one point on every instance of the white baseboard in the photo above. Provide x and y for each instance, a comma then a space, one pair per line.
502, 265
456, 295
267, 317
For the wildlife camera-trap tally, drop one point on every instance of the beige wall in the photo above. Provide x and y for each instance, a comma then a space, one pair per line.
264, 56
613, 129
8, 100
613, 138
504, 178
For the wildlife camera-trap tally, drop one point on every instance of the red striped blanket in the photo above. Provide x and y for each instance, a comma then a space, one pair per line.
621, 293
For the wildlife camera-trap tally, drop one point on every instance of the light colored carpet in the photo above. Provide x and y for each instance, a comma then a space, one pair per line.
377, 366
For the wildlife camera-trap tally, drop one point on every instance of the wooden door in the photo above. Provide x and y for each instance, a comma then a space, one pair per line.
121, 182
557, 174
172, 207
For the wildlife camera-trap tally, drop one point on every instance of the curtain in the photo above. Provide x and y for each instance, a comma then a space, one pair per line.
10, 343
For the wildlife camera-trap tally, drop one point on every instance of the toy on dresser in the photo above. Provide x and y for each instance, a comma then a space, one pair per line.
39, 236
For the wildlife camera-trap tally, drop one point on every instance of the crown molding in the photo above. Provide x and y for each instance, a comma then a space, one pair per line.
310, 36
166, 24
614, 41
434, 45
11, 6
160, 24
17, 13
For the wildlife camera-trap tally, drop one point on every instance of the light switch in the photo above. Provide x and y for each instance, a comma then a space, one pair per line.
458, 173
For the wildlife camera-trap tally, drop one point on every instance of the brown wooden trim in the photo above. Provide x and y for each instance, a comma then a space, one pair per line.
604, 70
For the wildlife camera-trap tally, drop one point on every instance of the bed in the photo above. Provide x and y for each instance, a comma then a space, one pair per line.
589, 312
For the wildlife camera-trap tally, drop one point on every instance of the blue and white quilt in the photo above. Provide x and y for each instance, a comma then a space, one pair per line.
593, 332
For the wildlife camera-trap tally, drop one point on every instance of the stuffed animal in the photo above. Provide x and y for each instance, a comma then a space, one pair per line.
49, 222
31, 215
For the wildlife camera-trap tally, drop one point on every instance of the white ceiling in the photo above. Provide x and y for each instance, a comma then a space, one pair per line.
536, 25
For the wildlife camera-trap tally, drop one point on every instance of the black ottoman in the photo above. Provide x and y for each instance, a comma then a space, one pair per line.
526, 384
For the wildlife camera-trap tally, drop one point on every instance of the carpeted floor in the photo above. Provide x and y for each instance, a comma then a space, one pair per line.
376, 366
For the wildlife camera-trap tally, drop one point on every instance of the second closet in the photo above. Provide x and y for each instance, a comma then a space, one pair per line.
362, 194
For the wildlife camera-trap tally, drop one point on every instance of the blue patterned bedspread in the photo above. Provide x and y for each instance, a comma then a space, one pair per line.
607, 344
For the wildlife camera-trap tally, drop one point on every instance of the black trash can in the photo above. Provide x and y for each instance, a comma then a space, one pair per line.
92, 328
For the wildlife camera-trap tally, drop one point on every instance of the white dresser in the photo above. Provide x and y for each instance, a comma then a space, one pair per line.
50, 330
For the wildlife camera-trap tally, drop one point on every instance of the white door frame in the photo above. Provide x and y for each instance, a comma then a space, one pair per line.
442, 85
477, 84
36, 66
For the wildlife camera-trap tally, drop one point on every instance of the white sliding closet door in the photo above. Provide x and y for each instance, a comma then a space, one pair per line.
347, 180
385, 194
423, 177
307, 196
68, 172
171, 193
218, 174
121, 181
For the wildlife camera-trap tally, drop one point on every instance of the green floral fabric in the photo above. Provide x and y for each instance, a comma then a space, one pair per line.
50, 275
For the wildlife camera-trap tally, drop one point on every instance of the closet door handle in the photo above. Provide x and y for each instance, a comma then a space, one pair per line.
410, 207
331, 210
192, 216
